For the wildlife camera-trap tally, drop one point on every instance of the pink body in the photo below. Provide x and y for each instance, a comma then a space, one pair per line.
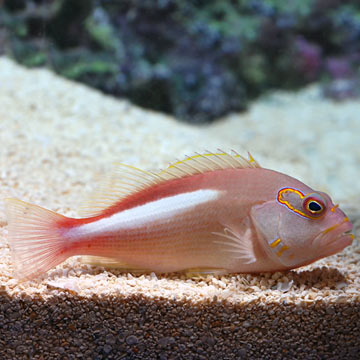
186, 240
227, 220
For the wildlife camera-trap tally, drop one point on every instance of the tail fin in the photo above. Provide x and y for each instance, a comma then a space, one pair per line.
34, 239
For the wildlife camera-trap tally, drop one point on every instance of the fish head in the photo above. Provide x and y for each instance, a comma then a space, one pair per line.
300, 227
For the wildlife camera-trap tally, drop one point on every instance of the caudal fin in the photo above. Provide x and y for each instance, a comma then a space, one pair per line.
35, 240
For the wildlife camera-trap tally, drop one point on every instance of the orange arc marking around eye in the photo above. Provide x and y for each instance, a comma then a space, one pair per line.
288, 205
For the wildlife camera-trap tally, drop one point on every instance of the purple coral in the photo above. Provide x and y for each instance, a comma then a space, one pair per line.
308, 58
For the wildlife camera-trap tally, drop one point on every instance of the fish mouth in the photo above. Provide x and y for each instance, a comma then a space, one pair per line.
335, 238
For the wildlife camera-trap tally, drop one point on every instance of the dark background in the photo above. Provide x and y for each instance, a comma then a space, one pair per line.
197, 60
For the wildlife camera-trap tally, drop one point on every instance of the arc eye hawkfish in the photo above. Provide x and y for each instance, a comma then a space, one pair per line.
214, 212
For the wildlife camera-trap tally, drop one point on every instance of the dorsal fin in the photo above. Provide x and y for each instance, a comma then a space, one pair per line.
201, 163
126, 179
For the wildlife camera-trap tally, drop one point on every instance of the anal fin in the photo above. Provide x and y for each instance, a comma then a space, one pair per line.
200, 272
111, 263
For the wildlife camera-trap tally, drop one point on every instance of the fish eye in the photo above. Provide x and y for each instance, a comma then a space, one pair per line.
313, 204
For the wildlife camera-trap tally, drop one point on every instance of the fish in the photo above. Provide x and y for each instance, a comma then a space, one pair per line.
215, 212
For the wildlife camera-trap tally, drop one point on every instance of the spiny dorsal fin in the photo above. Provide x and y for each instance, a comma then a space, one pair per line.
126, 179
201, 163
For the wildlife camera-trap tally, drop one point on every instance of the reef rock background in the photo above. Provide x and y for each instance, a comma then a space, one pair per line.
197, 60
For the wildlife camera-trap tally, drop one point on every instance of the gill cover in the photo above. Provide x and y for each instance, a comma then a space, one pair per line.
267, 219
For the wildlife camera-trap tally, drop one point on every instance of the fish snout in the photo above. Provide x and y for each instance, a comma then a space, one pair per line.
334, 238
344, 226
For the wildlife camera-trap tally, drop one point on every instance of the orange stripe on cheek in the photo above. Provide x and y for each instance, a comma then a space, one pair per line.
275, 243
280, 252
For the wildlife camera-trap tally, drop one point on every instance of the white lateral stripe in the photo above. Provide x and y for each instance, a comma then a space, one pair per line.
142, 215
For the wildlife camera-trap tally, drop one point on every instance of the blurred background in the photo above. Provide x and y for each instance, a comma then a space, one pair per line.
197, 60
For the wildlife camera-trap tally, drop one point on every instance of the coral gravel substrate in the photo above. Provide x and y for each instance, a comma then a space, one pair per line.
58, 137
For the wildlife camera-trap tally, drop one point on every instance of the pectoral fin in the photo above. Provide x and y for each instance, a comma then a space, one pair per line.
237, 242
